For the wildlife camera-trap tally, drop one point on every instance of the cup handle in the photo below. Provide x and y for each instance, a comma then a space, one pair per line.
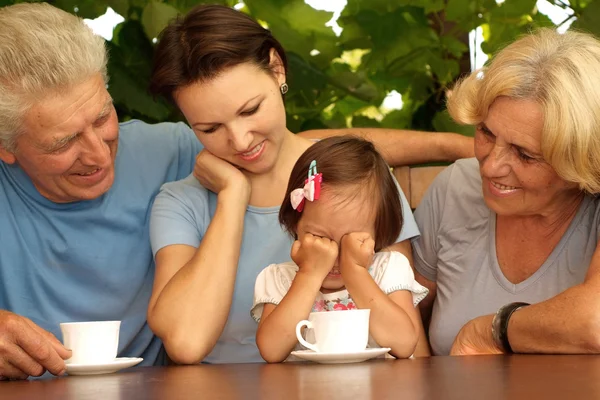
303, 342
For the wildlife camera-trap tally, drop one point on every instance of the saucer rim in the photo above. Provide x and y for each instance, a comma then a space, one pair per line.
360, 352
116, 361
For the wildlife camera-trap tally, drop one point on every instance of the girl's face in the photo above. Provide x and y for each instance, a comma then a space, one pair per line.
335, 214
238, 116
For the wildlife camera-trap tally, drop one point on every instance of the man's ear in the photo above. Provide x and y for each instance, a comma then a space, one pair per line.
277, 66
7, 156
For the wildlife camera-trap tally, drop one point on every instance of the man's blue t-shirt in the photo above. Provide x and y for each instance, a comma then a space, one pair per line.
91, 260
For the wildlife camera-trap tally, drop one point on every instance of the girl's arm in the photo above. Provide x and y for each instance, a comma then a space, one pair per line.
394, 321
276, 335
422, 349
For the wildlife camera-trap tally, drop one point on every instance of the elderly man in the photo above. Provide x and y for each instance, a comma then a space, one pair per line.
76, 189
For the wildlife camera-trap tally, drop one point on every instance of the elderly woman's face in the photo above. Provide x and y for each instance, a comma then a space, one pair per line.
515, 178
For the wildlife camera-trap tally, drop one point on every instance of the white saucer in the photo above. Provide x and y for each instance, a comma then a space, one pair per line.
340, 358
105, 368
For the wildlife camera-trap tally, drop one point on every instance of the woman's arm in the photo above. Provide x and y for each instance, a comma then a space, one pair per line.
276, 335
405, 147
568, 323
193, 288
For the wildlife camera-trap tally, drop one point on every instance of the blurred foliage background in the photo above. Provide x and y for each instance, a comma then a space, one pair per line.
415, 47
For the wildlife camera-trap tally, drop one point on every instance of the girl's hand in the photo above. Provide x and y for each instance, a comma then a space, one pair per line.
216, 175
357, 250
314, 255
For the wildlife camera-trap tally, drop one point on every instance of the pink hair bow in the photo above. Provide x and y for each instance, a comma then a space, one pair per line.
311, 190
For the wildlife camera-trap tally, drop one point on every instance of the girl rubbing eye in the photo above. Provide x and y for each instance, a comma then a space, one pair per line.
343, 209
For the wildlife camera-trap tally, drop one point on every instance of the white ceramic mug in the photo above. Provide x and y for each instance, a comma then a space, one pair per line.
337, 331
94, 342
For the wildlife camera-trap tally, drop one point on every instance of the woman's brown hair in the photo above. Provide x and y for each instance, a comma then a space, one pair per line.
206, 41
349, 162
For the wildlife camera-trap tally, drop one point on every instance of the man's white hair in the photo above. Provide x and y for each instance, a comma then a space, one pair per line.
43, 50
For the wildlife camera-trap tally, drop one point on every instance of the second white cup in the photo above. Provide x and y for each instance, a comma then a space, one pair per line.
93, 342
337, 331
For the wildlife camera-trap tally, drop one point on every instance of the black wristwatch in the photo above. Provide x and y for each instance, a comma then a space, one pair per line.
500, 325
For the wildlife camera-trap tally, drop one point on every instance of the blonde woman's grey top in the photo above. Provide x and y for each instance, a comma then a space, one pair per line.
457, 251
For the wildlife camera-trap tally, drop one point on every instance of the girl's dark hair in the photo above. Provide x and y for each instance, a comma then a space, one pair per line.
348, 161
206, 41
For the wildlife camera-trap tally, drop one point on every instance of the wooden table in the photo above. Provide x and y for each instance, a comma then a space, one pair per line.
478, 377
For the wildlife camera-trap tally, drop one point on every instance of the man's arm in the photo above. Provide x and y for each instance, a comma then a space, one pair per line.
404, 147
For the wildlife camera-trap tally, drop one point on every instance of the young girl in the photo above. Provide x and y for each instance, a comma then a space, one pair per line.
342, 207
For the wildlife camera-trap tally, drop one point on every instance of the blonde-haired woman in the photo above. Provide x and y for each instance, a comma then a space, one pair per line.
511, 235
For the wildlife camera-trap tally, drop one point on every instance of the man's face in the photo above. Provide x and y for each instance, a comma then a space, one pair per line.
69, 143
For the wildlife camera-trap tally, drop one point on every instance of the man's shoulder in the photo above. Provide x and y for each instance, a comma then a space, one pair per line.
139, 130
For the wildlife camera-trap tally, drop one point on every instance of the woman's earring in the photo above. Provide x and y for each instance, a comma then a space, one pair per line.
284, 88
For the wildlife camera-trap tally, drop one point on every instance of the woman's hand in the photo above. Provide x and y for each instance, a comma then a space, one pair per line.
314, 255
475, 338
356, 251
217, 175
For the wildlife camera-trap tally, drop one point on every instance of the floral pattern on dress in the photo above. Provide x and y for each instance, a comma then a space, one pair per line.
339, 304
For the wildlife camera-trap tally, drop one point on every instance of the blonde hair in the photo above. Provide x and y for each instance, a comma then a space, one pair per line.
560, 72
43, 50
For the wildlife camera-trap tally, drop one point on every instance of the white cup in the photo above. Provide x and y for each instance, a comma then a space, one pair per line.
94, 342
337, 331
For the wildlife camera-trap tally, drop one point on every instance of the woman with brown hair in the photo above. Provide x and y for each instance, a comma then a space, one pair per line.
213, 232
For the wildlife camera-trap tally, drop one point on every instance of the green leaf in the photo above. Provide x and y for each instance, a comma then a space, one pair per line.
446, 70
183, 6
454, 46
590, 19
121, 7
349, 105
156, 16
433, 5
442, 122
83, 8
514, 8
360, 121
128, 92
298, 27
458, 10
398, 119
379, 6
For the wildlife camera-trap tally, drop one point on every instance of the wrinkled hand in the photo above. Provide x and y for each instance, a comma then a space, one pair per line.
28, 350
475, 338
216, 175
356, 251
314, 255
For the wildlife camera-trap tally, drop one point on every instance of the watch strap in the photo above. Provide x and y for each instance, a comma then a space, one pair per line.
500, 325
